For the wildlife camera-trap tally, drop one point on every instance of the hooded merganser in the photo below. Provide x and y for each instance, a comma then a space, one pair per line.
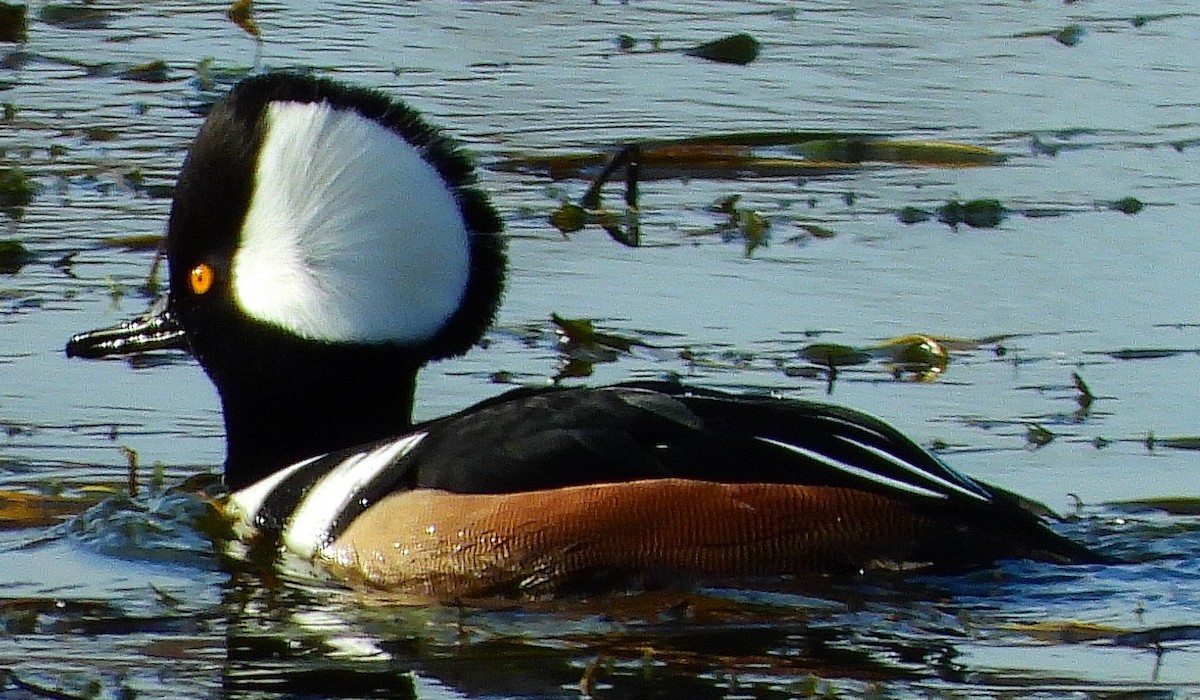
325, 243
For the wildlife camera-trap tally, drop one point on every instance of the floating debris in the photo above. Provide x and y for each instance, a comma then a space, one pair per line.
737, 49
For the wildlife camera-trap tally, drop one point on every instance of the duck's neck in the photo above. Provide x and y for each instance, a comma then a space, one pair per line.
273, 424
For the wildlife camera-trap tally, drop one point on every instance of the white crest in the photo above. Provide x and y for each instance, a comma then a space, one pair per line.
351, 235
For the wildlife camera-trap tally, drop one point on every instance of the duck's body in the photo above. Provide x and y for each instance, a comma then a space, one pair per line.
325, 243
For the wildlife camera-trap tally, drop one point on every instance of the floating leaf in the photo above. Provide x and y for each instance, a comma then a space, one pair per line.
834, 355
16, 191
818, 231
1128, 205
1038, 436
13, 256
1191, 442
149, 241
581, 332
1085, 397
241, 13
20, 510
14, 23
976, 213
1145, 353
152, 72
1181, 505
913, 215
914, 353
569, 218
1157, 635
755, 230
74, 16
1069, 35
859, 150
741, 154
738, 49
726, 204
1068, 631
101, 134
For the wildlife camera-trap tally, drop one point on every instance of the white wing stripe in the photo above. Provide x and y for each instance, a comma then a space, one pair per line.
250, 499
324, 503
946, 483
857, 471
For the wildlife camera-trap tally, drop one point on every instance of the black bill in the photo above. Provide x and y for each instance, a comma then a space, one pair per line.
157, 329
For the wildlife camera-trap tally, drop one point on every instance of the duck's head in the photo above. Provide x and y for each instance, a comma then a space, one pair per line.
324, 243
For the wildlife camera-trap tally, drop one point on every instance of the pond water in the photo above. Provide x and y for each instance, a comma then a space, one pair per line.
125, 598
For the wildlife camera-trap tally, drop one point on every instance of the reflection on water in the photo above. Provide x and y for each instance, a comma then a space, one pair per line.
127, 598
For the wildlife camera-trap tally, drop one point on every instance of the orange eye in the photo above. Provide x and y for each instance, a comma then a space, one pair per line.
201, 278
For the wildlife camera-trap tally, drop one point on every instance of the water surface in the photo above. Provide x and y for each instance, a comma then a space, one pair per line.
128, 597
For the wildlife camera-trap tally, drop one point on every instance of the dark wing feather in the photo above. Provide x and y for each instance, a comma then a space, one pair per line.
527, 440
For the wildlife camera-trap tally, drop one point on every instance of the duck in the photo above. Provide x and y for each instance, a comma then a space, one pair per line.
325, 242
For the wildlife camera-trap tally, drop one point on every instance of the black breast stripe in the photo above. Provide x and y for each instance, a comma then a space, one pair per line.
281, 503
